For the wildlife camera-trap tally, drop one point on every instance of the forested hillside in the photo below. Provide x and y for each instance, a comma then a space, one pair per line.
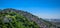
13, 18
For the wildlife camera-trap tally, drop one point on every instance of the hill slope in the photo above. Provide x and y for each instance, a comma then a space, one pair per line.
12, 18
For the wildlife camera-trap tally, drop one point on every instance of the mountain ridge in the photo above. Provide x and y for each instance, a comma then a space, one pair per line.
42, 23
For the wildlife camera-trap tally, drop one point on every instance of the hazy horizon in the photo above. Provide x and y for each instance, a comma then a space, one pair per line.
41, 8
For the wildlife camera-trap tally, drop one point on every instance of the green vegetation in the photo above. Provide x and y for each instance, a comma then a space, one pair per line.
14, 20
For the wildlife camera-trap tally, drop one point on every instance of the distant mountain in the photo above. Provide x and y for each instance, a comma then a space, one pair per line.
12, 18
56, 21
53, 20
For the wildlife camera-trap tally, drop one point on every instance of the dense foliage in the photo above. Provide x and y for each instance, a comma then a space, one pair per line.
14, 20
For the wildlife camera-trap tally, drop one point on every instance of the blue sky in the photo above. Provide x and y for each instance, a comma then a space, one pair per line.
40, 8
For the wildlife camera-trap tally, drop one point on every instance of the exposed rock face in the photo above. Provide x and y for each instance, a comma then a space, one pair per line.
29, 16
7, 20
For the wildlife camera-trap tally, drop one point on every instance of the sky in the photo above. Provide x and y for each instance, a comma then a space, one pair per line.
41, 8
